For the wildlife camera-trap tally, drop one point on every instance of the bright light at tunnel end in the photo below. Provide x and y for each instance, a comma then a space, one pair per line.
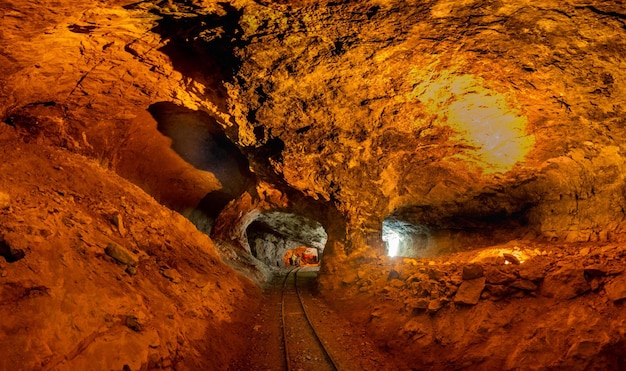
392, 239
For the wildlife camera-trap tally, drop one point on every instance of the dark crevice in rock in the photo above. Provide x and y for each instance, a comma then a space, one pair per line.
214, 202
45, 104
81, 29
372, 12
304, 129
10, 254
134, 5
601, 12
272, 150
208, 209
266, 157
202, 46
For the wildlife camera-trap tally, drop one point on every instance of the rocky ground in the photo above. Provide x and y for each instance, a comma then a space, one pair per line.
521, 306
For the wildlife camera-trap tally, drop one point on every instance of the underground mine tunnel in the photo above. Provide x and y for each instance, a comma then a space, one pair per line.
350, 185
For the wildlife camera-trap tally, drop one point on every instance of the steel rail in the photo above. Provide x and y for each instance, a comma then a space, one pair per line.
282, 318
308, 319
327, 355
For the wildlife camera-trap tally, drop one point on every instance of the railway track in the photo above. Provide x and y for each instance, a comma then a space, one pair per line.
303, 347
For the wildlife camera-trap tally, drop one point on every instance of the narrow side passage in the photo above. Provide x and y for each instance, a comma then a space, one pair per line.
254, 231
405, 239
200, 141
420, 231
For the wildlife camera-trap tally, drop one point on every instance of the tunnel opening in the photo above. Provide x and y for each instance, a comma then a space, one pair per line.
279, 238
301, 256
405, 239
421, 231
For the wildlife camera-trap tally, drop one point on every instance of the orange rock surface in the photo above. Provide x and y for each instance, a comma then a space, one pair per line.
474, 133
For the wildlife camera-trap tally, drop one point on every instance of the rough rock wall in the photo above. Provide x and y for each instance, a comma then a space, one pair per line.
94, 271
95, 274
452, 115
81, 76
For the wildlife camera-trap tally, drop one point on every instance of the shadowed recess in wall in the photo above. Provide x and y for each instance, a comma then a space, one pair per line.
200, 141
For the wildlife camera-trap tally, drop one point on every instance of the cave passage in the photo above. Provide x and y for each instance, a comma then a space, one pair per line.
405, 239
201, 141
274, 237
301, 256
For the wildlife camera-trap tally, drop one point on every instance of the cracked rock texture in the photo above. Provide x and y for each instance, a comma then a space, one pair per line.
458, 116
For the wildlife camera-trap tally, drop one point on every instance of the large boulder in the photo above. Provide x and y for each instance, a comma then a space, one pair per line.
566, 283
469, 291
616, 289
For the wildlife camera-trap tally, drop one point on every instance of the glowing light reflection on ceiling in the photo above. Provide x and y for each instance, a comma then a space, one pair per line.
492, 132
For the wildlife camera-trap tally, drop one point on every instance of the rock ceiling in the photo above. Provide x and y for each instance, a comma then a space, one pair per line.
444, 114
441, 111
455, 116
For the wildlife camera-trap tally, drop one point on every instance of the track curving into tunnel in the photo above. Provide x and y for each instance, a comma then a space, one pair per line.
304, 349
